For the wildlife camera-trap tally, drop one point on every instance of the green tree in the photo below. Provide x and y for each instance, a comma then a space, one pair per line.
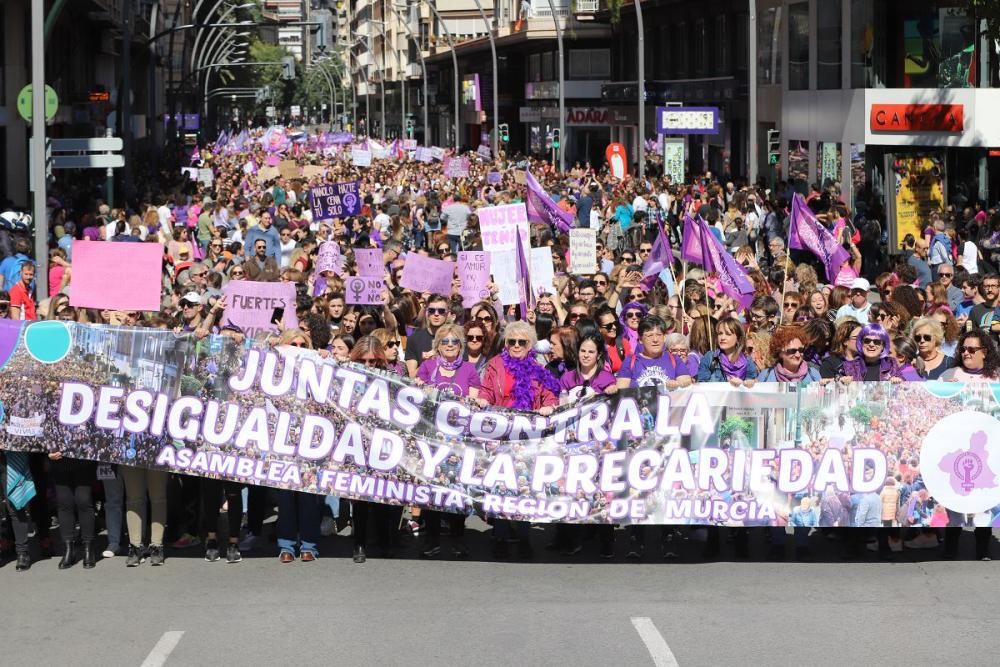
734, 424
862, 414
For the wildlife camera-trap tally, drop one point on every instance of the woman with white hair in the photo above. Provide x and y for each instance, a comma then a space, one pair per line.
513, 379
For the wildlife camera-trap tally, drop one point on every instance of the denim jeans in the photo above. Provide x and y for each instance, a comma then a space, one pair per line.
454, 242
114, 501
298, 521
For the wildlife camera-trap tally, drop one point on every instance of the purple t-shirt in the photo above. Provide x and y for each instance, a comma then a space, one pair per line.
466, 377
573, 383
644, 372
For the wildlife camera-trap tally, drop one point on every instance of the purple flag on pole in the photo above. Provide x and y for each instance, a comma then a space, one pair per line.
541, 208
701, 247
660, 257
523, 278
805, 232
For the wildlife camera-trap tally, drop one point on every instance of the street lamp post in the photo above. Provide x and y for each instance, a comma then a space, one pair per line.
562, 87
423, 66
399, 70
454, 62
642, 90
496, 74
368, 110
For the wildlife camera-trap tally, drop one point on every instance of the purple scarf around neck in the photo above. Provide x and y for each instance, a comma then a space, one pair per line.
525, 371
733, 369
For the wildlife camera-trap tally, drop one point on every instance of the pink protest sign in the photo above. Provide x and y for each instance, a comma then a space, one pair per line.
364, 290
250, 305
423, 274
369, 261
497, 224
474, 272
116, 276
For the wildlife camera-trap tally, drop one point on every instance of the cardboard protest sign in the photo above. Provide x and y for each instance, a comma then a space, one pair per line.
583, 251
520, 177
335, 200
328, 258
361, 158
437, 153
190, 172
268, 174
310, 171
250, 305
369, 262
409, 144
424, 155
542, 273
206, 177
498, 223
116, 276
364, 290
474, 273
494, 178
424, 274
289, 169
484, 152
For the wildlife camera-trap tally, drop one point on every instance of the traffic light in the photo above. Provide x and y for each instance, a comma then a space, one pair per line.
288, 68
773, 146
505, 133
555, 138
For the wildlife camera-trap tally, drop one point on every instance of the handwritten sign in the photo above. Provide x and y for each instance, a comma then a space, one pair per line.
249, 305
456, 167
369, 262
437, 153
542, 273
311, 171
484, 152
498, 223
267, 174
190, 172
583, 251
409, 144
328, 257
364, 290
206, 177
520, 177
474, 272
361, 158
117, 276
424, 155
423, 274
494, 178
335, 200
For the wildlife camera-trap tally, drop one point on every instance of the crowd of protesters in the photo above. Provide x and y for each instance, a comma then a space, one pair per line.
927, 310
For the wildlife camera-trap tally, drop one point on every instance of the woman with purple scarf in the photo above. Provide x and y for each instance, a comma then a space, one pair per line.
632, 314
874, 362
728, 363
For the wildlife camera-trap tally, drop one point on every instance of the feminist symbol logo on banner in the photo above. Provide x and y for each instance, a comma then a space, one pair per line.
959, 463
350, 200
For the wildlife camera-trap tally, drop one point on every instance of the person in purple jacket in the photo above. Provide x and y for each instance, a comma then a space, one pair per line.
589, 377
447, 369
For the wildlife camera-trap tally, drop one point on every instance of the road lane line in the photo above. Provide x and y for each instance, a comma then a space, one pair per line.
657, 646
168, 642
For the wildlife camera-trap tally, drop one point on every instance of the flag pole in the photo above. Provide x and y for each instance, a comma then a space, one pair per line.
784, 282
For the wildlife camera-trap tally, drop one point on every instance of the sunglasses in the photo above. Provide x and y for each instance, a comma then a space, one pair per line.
451, 341
437, 311
472, 338
645, 251
873, 342
966, 349
237, 274
791, 305
628, 258
633, 314
610, 326
370, 362
945, 275
923, 338
297, 344
600, 282
792, 351
576, 316
443, 248
392, 343
517, 342
485, 318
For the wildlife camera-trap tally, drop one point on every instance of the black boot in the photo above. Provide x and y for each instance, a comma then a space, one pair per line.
69, 558
89, 557
23, 562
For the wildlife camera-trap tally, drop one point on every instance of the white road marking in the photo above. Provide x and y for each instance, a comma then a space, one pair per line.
168, 642
657, 646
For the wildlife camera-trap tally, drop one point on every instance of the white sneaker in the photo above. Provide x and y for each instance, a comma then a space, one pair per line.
922, 541
108, 553
328, 526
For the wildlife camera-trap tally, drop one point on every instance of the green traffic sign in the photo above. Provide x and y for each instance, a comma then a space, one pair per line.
24, 106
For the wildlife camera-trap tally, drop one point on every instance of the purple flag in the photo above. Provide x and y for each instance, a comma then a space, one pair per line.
541, 208
523, 278
661, 257
805, 232
701, 247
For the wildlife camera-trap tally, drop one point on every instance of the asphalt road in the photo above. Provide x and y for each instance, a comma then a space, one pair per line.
553, 610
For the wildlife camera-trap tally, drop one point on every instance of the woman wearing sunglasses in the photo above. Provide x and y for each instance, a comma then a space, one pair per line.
514, 379
729, 362
632, 314
477, 342
928, 334
450, 373
392, 344
874, 361
977, 361
617, 347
